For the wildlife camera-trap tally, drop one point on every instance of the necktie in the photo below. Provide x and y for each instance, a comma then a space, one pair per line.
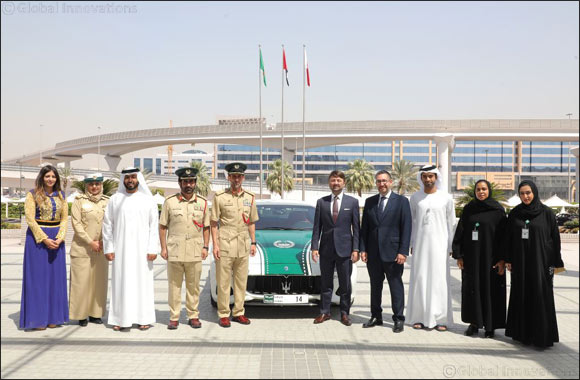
335, 209
382, 205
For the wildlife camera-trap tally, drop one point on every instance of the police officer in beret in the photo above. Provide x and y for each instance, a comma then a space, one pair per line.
184, 235
89, 269
235, 210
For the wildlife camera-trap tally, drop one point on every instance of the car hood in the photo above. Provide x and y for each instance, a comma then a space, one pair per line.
284, 252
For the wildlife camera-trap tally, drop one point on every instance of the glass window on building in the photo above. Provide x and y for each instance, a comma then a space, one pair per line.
148, 164
158, 166
136, 162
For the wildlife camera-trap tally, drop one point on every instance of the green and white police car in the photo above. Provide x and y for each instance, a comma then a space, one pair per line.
282, 271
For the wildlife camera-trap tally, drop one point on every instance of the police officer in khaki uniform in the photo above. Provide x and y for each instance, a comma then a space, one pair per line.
184, 236
89, 269
235, 210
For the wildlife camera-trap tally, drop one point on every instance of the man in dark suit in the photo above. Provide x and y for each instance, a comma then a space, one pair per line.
384, 246
335, 231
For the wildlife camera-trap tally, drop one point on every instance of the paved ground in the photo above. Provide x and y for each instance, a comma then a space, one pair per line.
280, 342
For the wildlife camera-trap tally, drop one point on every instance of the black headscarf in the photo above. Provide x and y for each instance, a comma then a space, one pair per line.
535, 208
476, 206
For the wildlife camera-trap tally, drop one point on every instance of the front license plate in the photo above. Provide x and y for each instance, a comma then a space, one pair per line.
286, 298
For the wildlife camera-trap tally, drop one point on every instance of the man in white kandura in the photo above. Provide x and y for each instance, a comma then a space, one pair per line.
131, 242
433, 214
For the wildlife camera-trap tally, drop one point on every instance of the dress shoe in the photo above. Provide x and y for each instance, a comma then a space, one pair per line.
83, 322
372, 323
472, 329
195, 323
489, 334
399, 326
241, 319
225, 322
345, 320
321, 318
51, 326
172, 325
98, 321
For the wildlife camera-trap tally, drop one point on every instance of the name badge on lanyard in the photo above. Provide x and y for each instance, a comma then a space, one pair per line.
526, 231
474, 233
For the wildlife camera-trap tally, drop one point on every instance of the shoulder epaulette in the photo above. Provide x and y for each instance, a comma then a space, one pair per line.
202, 197
105, 196
220, 192
81, 196
250, 193
171, 196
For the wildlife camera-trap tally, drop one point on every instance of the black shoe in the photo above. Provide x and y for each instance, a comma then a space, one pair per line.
83, 322
399, 326
489, 334
372, 323
472, 329
98, 321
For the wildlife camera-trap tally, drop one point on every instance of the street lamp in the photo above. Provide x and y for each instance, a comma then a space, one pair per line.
19, 188
486, 164
40, 153
99, 150
569, 184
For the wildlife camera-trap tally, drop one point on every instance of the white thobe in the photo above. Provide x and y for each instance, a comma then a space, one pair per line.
130, 231
432, 234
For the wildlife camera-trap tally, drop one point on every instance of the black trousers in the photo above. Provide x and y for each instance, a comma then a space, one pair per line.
394, 272
343, 267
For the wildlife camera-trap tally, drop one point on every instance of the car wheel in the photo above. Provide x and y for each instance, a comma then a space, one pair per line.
212, 301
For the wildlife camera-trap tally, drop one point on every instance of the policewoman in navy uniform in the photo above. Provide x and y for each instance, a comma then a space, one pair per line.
234, 209
184, 237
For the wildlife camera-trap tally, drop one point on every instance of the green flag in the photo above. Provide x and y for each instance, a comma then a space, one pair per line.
262, 68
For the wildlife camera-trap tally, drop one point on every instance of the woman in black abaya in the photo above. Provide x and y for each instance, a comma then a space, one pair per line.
532, 252
476, 248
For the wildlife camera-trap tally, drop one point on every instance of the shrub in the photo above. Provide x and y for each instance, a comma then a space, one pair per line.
571, 224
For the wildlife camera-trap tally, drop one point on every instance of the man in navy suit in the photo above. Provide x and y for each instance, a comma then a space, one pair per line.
384, 246
335, 231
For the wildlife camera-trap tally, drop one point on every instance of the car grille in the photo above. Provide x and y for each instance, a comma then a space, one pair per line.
284, 284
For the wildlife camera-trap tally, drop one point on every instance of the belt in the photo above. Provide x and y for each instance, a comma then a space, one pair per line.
48, 222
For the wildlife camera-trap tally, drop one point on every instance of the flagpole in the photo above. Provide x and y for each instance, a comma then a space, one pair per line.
260, 116
282, 132
303, 120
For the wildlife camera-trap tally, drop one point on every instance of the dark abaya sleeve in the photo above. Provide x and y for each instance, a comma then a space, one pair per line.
457, 239
506, 251
500, 238
556, 244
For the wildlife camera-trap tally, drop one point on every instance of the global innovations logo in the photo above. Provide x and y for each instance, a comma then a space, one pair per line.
283, 244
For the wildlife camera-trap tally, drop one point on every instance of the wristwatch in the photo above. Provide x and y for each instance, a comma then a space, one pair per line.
205, 247
253, 243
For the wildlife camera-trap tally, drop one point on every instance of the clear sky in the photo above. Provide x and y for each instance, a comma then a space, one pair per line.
71, 70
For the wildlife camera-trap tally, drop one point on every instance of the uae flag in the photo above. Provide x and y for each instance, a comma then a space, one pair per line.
262, 68
285, 66
306, 68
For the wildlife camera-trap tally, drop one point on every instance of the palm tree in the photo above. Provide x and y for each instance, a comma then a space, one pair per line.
360, 176
274, 175
203, 183
66, 175
109, 186
469, 194
404, 177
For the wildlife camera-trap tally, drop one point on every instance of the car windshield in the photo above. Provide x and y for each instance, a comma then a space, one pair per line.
285, 217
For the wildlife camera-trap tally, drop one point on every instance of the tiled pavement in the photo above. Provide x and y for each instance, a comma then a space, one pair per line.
280, 342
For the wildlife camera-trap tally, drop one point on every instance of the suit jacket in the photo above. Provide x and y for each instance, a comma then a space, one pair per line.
383, 236
341, 236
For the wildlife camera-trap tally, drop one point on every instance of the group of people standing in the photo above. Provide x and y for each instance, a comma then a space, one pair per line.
485, 242
127, 230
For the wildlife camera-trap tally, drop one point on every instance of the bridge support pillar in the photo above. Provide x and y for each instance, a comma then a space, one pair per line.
445, 146
574, 151
113, 162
